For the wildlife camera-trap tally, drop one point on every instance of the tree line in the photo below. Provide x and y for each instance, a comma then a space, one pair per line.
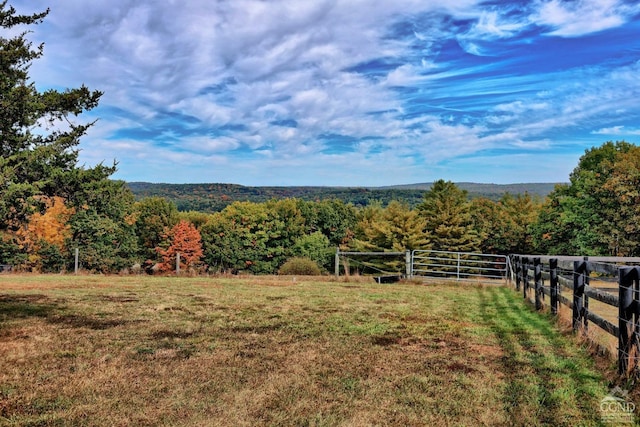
215, 197
50, 206
256, 237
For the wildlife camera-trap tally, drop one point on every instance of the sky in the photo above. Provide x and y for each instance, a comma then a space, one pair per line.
345, 92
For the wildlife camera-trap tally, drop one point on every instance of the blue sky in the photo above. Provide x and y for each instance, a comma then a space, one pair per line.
346, 92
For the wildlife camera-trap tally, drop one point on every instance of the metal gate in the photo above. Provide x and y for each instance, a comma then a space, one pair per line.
458, 266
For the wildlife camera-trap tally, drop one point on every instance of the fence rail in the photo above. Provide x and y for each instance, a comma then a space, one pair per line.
382, 273
575, 274
426, 264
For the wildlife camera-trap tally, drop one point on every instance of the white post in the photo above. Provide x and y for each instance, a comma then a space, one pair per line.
75, 268
409, 266
337, 267
458, 272
178, 263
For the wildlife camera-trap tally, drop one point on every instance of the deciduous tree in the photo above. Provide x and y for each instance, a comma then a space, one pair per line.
254, 237
504, 227
45, 234
153, 216
184, 239
103, 227
586, 216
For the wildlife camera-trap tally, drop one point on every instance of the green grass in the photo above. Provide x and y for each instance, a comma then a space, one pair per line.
98, 351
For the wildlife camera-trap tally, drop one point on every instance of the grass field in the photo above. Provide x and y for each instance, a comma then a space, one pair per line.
103, 351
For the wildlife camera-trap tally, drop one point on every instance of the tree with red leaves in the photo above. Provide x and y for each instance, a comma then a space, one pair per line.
184, 239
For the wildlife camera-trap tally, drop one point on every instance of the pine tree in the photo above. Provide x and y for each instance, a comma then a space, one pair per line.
39, 136
447, 213
34, 162
394, 228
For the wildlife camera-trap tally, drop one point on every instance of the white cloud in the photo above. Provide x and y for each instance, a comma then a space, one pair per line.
277, 77
617, 130
204, 145
580, 17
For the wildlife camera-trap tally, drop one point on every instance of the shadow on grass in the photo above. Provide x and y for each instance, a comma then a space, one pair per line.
24, 306
82, 321
548, 379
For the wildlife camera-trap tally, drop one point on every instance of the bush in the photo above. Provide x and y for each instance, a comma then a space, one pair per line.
300, 266
315, 246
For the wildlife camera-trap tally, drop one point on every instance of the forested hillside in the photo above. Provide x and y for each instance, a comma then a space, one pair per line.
215, 197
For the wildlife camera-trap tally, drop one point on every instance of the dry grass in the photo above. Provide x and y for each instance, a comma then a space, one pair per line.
97, 351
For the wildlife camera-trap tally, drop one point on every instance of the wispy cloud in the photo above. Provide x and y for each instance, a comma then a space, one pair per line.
339, 91
580, 17
617, 131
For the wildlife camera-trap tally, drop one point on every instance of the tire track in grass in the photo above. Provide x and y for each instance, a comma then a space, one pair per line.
550, 381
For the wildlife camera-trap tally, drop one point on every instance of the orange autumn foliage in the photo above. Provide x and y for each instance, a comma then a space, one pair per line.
50, 227
184, 238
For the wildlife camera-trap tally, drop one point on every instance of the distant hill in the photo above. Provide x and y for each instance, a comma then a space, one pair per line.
487, 190
215, 197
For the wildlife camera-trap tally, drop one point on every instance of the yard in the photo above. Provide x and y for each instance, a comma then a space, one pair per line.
102, 351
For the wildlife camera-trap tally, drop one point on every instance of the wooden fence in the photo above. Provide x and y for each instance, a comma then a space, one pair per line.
618, 286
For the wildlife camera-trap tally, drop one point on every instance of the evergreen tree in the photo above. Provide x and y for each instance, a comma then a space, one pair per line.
447, 214
395, 228
39, 155
32, 161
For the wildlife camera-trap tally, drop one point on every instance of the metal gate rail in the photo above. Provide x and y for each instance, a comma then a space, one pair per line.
458, 266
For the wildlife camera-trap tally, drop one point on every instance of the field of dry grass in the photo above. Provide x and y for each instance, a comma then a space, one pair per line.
98, 351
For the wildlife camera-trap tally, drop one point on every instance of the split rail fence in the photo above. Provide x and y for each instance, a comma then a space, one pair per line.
613, 281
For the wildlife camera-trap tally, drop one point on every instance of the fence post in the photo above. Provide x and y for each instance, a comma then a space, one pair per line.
525, 277
578, 293
553, 284
516, 260
177, 262
337, 267
585, 298
537, 268
408, 264
75, 263
458, 269
629, 318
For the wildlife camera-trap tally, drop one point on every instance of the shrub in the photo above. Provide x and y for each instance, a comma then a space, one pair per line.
315, 246
301, 266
